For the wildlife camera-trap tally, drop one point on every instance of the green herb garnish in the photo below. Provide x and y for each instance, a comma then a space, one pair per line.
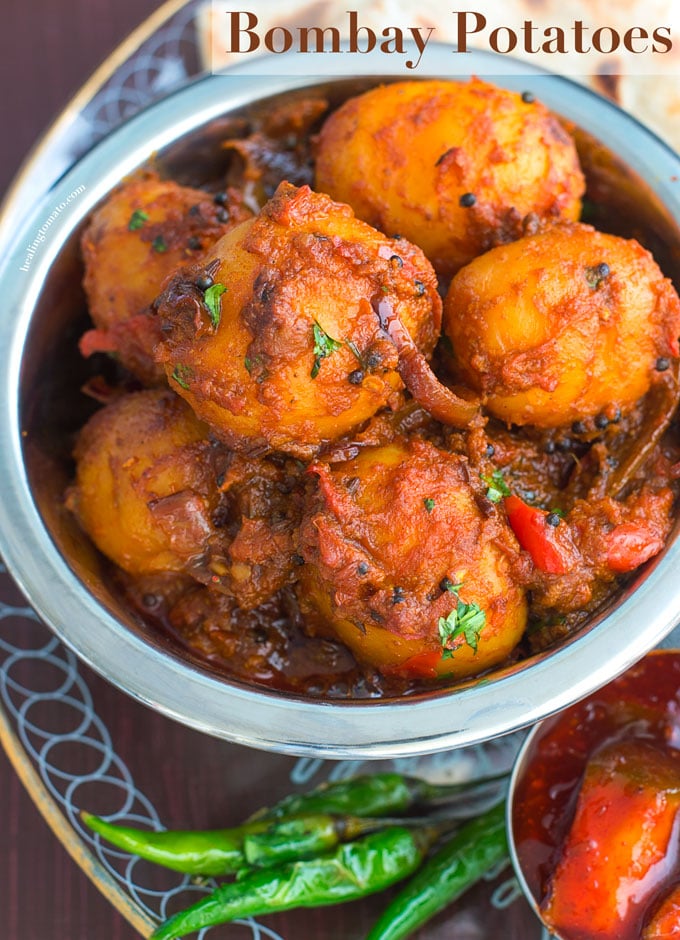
497, 487
137, 219
324, 346
181, 374
159, 244
212, 298
467, 620
429, 503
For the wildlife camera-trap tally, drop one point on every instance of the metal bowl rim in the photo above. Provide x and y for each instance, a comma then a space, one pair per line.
250, 716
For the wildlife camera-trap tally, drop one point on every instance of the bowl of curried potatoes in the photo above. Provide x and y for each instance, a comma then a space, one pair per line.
339, 416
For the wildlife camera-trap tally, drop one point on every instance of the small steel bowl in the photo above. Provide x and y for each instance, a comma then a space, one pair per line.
40, 405
547, 771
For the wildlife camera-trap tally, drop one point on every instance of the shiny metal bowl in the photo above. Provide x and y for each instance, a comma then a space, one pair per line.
41, 405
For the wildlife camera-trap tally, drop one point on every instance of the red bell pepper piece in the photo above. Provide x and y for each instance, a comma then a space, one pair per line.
419, 666
551, 550
630, 544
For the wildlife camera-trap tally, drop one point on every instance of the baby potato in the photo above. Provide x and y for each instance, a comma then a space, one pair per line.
145, 230
275, 339
408, 563
454, 167
144, 491
560, 325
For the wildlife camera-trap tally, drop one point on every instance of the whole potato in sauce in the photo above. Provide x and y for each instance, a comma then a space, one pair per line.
454, 167
406, 568
144, 488
144, 231
322, 502
292, 353
560, 325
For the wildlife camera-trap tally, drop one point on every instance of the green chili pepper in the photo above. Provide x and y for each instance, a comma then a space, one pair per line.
299, 837
216, 852
385, 794
473, 850
262, 843
354, 870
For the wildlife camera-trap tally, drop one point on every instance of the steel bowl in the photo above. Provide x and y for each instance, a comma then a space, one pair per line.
652, 684
41, 405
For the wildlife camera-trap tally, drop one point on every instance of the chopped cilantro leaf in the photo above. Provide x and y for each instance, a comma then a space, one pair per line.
159, 244
467, 620
137, 219
324, 346
497, 487
212, 298
429, 503
181, 374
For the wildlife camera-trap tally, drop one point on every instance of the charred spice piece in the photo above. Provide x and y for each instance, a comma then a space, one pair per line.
398, 596
596, 274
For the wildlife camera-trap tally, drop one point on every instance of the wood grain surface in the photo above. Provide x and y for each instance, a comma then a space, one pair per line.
48, 48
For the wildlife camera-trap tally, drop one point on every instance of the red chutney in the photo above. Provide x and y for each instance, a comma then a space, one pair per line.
597, 822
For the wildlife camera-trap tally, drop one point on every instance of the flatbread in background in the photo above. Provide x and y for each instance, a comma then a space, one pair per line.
647, 86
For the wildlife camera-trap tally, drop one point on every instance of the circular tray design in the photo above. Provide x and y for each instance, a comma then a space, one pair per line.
54, 725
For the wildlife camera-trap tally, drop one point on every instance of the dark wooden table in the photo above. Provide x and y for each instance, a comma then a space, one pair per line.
48, 48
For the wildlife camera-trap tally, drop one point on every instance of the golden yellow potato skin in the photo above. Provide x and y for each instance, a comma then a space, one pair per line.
143, 232
547, 339
380, 536
144, 491
405, 155
298, 357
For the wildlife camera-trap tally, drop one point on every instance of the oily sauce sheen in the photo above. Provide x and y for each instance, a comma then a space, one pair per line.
387, 413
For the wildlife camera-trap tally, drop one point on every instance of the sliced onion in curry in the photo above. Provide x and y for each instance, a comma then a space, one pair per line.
662, 403
441, 402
